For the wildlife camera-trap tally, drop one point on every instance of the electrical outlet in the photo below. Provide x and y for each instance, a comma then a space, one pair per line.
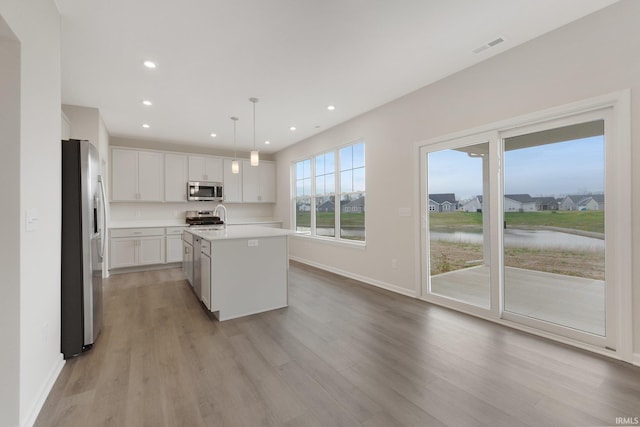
138, 214
394, 264
252, 243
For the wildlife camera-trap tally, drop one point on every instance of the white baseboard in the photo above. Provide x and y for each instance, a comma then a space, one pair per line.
635, 359
366, 280
30, 420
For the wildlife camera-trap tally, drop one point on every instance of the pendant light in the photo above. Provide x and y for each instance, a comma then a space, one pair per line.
235, 165
255, 158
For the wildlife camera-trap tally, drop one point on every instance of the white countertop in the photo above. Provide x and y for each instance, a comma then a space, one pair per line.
240, 232
180, 222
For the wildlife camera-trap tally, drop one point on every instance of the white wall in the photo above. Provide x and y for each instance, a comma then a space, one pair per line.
181, 146
9, 220
593, 56
176, 211
36, 24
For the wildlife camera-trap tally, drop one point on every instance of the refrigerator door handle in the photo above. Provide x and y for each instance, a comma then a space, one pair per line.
104, 218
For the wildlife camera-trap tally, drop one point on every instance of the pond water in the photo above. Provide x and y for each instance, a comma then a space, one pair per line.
539, 239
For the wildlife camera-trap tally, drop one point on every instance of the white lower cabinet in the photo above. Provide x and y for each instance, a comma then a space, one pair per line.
151, 250
123, 252
130, 247
174, 244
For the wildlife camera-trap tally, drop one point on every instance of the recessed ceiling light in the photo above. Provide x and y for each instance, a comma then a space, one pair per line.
213, 135
267, 142
146, 126
331, 107
147, 102
149, 64
292, 128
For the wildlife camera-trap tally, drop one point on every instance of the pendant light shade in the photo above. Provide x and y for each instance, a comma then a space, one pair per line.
235, 165
255, 157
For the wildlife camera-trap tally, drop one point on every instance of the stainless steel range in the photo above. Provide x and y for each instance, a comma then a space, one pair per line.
203, 220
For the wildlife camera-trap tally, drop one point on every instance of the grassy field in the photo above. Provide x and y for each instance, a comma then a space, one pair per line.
450, 256
591, 221
327, 219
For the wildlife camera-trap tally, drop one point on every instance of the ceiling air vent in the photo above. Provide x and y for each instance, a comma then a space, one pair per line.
486, 46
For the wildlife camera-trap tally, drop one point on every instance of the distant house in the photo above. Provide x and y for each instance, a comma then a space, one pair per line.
445, 202
472, 205
519, 203
585, 202
327, 206
546, 203
303, 207
354, 206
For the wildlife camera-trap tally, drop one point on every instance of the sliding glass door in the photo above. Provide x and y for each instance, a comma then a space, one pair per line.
458, 233
554, 226
526, 225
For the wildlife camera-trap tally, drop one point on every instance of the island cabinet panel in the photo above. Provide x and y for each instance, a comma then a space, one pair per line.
187, 257
205, 274
248, 276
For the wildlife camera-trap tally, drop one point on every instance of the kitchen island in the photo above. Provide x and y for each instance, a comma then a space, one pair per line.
242, 270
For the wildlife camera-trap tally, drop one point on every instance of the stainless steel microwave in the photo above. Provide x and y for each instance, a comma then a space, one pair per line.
204, 191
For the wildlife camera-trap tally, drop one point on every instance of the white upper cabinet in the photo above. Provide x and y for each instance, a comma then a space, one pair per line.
258, 182
124, 174
137, 175
175, 177
203, 168
151, 176
232, 183
157, 176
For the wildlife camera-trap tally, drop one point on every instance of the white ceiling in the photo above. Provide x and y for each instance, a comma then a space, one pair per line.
296, 56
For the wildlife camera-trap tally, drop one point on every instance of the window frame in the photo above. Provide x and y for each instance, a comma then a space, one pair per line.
614, 107
337, 194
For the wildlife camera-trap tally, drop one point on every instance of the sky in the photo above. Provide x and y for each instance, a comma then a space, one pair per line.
558, 169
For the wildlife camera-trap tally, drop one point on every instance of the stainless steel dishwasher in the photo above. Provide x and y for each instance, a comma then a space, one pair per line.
197, 273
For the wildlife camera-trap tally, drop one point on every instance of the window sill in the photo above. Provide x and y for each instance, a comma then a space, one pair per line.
331, 241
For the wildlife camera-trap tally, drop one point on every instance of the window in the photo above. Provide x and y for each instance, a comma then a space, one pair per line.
325, 200
303, 196
333, 183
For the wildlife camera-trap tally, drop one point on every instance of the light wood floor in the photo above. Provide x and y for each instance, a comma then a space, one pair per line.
342, 354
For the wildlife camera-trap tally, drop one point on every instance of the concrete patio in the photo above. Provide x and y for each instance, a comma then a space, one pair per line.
574, 302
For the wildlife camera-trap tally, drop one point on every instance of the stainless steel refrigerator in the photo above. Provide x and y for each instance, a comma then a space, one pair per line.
83, 243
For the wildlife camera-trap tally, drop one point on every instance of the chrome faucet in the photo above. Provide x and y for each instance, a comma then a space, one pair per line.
224, 209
